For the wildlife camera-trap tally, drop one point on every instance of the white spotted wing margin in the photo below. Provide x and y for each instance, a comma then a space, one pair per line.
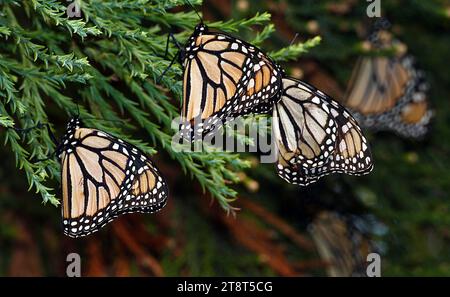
315, 136
104, 177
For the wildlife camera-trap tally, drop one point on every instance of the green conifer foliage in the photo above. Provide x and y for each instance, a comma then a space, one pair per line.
105, 63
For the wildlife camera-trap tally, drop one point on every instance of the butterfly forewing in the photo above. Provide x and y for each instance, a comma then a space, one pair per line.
104, 177
315, 136
224, 77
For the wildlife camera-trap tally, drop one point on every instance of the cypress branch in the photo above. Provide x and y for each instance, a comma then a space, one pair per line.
106, 64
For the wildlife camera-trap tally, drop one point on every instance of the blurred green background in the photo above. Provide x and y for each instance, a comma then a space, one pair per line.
401, 208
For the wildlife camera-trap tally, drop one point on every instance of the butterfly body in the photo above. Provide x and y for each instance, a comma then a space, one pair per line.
104, 177
224, 77
389, 93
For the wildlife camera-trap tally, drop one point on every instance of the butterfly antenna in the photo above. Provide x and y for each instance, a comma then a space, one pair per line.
196, 12
293, 39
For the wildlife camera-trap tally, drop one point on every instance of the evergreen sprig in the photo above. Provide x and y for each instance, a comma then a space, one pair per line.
105, 64
292, 52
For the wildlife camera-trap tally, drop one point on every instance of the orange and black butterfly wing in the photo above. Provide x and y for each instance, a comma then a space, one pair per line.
104, 177
378, 84
315, 136
224, 77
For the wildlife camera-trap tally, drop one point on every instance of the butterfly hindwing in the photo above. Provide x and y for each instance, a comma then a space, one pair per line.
104, 177
315, 136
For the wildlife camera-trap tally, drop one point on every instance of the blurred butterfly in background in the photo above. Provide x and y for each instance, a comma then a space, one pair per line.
315, 136
224, 77
104, 177
389, 93
342, 243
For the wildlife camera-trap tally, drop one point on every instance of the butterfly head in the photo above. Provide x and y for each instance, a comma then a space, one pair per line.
191, 45
200, 29
73, 124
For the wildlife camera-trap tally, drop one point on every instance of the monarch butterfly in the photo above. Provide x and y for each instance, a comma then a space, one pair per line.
341, 244
102, 178
224, 77
315, 136
389, 93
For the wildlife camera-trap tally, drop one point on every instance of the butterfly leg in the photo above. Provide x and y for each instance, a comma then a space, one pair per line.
39, 126
50, 133
167, 68
175, 41
166, 52
26, 130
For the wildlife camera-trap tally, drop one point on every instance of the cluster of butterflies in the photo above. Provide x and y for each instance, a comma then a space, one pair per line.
225, 77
